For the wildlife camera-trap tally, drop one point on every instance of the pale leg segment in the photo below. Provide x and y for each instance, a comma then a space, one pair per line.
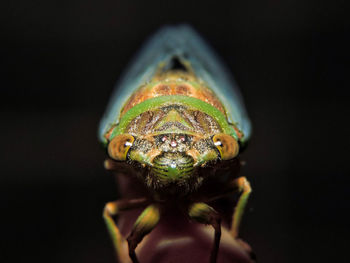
244, 188
144, 224
112, 209
205, 214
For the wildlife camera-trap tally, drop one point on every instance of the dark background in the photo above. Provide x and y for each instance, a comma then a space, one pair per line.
59, 61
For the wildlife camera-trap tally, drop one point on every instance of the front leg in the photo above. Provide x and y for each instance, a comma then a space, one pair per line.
243, 186
239, 185
205, 214
144, 224
112, 209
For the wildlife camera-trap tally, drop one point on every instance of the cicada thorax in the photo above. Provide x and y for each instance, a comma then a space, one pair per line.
174, 83
172, 126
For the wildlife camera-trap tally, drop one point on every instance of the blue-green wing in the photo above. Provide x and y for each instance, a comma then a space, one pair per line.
184, 43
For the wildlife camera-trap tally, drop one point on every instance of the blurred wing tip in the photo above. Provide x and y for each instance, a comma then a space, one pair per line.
177, 29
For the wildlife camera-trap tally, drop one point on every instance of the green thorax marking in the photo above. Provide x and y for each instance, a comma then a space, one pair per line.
190, 103
173, 117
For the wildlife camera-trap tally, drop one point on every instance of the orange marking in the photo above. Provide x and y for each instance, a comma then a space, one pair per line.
162, 89
109, 132
173, 83
183, 90
238, 132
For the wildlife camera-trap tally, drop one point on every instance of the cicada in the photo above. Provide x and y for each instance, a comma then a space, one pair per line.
176, 125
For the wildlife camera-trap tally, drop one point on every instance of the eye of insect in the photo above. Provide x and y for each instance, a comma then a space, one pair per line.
227, 146
119, 146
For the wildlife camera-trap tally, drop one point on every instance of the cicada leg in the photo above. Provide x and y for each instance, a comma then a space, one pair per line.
244, 188
205, 214
112, 209
144, 224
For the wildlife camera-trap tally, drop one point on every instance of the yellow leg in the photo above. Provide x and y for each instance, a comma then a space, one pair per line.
112, 209
244, 187
205, 214
144, 224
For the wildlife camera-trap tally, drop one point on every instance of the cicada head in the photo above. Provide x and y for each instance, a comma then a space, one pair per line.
172, 160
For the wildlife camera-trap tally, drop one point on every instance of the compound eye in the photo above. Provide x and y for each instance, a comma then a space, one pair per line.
227, 146
119, 146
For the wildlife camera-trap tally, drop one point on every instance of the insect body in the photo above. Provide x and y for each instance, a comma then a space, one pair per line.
176, 123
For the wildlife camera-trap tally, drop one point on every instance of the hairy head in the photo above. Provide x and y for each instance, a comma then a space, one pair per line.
172, 159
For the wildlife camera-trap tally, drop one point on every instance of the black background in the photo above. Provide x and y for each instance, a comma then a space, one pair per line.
59, 62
